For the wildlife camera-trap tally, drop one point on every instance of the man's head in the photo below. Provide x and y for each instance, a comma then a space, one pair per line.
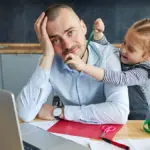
136, 46
66, 31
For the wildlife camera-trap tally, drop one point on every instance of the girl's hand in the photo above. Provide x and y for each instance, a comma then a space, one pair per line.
75, 62
98, 29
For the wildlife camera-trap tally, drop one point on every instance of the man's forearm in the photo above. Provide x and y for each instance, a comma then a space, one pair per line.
98, 113
46, 62
33, 95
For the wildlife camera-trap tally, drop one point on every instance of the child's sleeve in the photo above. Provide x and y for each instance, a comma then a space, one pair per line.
102, 41
137, 76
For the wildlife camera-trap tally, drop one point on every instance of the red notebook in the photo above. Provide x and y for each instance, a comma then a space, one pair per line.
83, 130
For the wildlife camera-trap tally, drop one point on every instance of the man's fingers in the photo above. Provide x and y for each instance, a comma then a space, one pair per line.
43, 28
37, 25
39, 19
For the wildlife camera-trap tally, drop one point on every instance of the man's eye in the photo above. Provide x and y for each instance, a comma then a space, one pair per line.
71, 33
55, 41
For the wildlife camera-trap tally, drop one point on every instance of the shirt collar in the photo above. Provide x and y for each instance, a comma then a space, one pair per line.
93, 54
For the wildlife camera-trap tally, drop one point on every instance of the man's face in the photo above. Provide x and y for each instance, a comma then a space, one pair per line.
67, 34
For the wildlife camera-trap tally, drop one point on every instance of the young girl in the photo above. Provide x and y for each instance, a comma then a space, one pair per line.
135, 61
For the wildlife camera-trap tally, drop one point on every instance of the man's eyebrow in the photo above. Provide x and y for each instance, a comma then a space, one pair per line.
54, 36
68, 29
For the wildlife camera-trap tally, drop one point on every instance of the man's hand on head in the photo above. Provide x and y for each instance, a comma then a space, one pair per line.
40, 29
45, 42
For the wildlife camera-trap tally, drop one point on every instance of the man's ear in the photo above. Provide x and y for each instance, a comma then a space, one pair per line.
83, 26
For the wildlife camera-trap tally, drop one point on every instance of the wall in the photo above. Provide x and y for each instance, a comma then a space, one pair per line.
18, 16
17, 69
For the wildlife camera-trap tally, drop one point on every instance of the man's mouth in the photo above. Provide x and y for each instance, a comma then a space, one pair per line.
73, 50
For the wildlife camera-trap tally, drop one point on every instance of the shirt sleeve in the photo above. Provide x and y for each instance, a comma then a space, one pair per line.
114, 110
102, 41
33, 95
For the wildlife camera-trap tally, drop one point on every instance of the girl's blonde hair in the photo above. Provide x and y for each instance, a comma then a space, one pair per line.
141, 29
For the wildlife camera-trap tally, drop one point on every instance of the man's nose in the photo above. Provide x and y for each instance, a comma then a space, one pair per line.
66, 43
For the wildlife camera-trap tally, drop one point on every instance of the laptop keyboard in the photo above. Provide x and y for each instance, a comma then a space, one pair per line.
28, 146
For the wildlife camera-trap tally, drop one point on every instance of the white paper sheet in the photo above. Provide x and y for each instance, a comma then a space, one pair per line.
137, 144
44, 124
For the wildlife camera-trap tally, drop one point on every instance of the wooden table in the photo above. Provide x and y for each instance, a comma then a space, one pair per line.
132, 129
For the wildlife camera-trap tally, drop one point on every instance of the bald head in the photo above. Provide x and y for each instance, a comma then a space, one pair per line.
53, 11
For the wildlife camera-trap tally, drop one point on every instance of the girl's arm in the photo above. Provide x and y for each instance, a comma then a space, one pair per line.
137, 76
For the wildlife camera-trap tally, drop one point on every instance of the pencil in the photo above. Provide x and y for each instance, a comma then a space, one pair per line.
116, 144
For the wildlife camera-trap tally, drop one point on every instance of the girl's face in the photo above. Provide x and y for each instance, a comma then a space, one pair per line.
132, 49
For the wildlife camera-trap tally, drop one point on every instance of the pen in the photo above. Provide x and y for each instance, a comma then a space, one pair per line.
116, 144
90, 37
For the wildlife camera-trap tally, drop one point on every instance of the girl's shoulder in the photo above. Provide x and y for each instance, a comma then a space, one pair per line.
145, 66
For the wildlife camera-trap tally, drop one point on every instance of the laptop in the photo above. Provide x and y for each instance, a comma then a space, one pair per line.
26, 136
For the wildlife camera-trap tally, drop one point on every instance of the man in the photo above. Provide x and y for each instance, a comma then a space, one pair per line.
61, 33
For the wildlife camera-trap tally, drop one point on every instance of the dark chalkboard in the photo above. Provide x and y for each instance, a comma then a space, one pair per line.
18, 16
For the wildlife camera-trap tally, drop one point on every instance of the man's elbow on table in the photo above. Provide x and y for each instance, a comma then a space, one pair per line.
26, 116
122, 119
26, 111
122, 116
